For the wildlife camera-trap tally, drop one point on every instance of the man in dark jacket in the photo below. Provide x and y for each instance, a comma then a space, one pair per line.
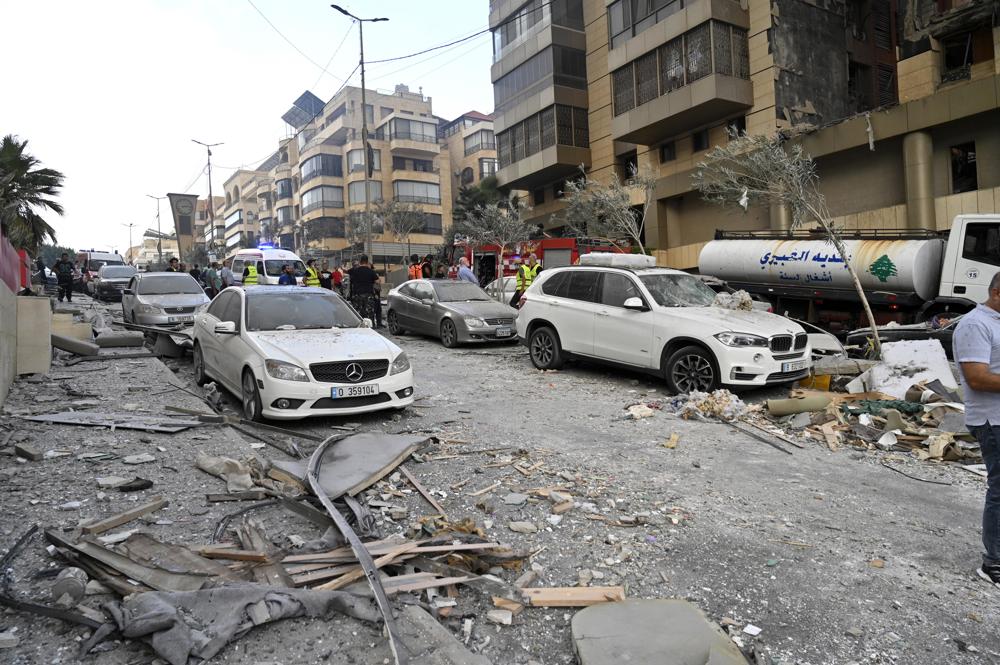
63, 268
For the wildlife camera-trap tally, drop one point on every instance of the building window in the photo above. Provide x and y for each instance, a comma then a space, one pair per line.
627, 18
234, 219
432, 224
324, 196
680, 62
668, 152
737, 126
384, 112
566, 66
283, 188
538, 196
699, 141
324, 227
410, 164
481, 140
356, 191
416, 192
356, 160
412, 130
963, 168
468, 175
284, 214
369, 114
565, 125
487, 167
322, 165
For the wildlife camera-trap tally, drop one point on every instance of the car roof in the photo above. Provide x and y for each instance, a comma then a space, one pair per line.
635, 271
164, 273
276, 289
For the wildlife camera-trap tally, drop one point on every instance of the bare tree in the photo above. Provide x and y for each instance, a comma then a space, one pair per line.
499, 224
356, 227
764, 169
605, 210
401, 220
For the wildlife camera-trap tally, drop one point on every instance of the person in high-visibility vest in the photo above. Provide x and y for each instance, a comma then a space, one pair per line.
312, 274
525, 275
250, 275
415, 271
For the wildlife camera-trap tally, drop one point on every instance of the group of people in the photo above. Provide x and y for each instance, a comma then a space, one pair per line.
213, 277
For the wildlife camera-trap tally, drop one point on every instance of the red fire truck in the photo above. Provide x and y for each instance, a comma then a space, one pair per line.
551, 253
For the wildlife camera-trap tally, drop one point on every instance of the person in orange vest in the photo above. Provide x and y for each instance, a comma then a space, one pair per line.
415, 271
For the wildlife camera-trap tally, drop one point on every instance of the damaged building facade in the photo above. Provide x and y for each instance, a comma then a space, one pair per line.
898, 101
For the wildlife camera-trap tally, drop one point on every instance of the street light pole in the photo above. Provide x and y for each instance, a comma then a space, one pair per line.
130, 225
159, 234
211, 202
364, 126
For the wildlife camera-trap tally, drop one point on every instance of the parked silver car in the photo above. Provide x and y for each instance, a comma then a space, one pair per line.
162, 298
457, 312
110, 281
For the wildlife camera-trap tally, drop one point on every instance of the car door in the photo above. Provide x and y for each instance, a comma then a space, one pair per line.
622, 335
403, 304
233, 349
128, 299
205, 333
574, 310
425, 317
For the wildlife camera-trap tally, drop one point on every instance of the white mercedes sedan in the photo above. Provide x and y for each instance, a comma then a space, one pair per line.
292, 352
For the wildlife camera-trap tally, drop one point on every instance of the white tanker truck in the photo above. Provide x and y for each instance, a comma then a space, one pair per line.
908, 276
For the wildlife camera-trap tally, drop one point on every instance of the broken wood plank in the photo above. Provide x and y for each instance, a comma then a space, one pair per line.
152, 506
322, 574
340, 555
248, 495
831, 435
423, 492
484, 490
136, 421
512, 606
234, 554
420, 585
493, 587
573, 596
252, 538
355, 575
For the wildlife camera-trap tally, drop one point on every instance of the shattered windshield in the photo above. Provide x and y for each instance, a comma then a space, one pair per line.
298, 311
671, 290
161, 285
459, 292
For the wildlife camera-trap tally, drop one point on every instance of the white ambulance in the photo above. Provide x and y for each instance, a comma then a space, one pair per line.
269, 264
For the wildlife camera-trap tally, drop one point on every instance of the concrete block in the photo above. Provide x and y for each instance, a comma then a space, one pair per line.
430, 643
34, 348
662, 631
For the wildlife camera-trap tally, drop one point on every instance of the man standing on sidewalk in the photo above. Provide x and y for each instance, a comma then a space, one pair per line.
63, 268
226, 274
976, 347
465, 272
363, 290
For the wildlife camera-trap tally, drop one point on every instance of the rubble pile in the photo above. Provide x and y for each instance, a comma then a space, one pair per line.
719, 404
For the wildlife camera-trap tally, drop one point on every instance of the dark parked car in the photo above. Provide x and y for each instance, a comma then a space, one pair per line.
456, 312
110, 281
940, 327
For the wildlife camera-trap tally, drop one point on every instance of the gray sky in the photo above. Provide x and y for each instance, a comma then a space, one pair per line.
111, 92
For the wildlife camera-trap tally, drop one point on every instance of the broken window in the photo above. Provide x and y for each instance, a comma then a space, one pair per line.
963, 168
886, 85
963, 50
859, 87
672, 65
698, 52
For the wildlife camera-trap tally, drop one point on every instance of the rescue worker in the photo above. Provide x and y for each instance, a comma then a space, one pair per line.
312, 274
250, 274
415, 271
526, 273
63, 268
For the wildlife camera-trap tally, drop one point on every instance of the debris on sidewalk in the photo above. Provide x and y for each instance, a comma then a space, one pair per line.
719, 404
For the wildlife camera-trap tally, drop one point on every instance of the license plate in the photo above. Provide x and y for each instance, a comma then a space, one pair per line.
180, 319
354, 391
794, 366
504, 332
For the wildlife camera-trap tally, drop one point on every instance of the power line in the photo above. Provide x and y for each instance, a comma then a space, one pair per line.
334, 54
428, 50
290, 42
437, 66
195, 181
418, 62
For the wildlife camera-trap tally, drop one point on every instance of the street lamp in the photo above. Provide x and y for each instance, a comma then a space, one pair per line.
159, 235
211, 201
364, 124
130, 226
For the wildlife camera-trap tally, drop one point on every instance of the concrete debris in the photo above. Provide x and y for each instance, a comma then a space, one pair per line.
739, 300
143, 458
719, 404
502, 617
639, 411
523, 527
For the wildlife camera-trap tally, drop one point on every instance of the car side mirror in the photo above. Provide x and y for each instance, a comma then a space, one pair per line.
226, 328
128, 292
636, 304
427, 301
366, 323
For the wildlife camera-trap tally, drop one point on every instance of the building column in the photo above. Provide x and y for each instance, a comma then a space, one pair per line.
918, 177
781, 216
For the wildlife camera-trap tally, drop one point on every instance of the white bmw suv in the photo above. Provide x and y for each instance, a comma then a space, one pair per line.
656, 320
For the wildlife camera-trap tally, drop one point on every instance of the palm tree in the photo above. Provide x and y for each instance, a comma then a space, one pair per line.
25, 189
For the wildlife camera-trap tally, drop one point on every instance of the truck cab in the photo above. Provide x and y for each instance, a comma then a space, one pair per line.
971, 259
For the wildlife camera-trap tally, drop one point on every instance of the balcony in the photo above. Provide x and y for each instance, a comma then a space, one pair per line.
417, 199
410, 143
545, 166
471, 150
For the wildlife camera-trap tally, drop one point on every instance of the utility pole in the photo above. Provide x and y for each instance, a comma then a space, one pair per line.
364, 126
130, 225
211, 201
159, 234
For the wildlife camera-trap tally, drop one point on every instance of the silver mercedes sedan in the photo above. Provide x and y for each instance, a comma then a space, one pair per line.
162, 298
456, 312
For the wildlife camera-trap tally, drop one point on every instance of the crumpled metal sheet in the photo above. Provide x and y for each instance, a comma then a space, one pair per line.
185, 628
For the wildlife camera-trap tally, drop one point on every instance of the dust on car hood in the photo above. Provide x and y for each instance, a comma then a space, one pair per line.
717, 319
305, 347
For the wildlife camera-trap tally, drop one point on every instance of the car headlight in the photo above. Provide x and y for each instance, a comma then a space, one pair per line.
400, 364
741, 339
149, 309
285, 371
474, 322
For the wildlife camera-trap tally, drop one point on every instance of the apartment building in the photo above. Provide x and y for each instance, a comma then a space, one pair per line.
898, 103
471, 148
301, 196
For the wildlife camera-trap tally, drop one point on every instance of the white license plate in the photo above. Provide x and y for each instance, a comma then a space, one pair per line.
354, 391
180, 319
794, 366
504, 332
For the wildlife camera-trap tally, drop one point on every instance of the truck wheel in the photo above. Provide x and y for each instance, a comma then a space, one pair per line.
690, 369
544, 349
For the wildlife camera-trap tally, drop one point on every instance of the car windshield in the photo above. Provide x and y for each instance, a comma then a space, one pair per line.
273, 267
96, 264
298, 311
459, 292
673, 290
116, 272
161, 285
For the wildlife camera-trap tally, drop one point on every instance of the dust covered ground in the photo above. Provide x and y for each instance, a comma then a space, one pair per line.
835, 557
